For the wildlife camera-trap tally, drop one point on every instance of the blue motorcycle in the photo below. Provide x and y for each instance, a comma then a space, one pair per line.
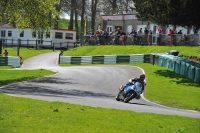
129, 92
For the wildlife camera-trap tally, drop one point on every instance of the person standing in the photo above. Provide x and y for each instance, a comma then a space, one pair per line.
5, 53
150, 38
146, 32
140, 36
171, 34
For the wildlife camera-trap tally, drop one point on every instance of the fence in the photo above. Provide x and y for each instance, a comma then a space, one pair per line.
36, 44
155, 39
10, 61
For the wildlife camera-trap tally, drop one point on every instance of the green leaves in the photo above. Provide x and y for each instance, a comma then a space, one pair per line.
169, 12
35, 14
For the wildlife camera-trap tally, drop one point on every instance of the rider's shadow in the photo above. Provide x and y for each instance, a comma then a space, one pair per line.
139, 103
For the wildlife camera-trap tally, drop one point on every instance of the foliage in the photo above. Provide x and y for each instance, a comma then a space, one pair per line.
35, 14
169, 12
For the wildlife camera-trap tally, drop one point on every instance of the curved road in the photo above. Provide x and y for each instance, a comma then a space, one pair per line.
86, 85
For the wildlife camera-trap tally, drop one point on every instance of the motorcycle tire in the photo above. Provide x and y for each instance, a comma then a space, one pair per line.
119, 96
130, 96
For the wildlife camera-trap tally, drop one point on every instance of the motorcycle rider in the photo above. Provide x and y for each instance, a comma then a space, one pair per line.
141, 80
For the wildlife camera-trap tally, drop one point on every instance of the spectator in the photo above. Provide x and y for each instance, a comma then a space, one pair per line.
171, 34
5, 53
140, 36
150, 38
159, 33
146, 32
106, 36
134, 34
180, 32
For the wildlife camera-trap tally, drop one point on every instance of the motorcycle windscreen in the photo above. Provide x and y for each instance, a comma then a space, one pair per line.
128, 88
138, 87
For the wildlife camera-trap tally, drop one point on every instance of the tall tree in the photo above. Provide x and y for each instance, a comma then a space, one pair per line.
93, 11
28, 13
114, 6
82, 16
71, 21
169, 12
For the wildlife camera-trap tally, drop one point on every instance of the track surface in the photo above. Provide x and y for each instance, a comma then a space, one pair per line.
86, 85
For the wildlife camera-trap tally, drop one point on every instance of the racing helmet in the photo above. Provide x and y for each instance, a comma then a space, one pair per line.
142, 77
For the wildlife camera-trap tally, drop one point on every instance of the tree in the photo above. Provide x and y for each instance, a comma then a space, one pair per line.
28, 13
169, 12
93, 11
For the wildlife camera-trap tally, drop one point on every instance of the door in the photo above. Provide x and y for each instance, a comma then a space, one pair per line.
109, 29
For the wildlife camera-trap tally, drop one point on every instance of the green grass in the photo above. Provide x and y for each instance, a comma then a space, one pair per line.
168, 88
112, 50
34, 116
11, 76
26, 53
163, 86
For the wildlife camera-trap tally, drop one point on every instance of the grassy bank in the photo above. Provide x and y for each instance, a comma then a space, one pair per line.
33, 116
112, 50
26, 53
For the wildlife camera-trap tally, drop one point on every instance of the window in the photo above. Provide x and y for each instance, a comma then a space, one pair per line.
3, 33
34, 34
69, 36
48, 34
9, 33
21, 34
40, 35
59, 35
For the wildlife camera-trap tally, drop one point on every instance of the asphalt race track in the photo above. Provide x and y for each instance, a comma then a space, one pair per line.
94, 86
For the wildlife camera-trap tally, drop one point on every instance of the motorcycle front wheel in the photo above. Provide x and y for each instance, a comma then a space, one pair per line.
129, 96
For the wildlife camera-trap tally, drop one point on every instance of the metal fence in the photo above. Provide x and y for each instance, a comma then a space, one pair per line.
37, 44
155, 39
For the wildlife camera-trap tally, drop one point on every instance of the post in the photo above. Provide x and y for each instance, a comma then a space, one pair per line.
53, 47
60, 45
18, 48
36, 44
0, 47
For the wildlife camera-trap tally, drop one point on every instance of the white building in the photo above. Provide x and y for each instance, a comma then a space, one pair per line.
29, 37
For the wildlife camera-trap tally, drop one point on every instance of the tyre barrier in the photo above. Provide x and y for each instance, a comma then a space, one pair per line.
179, 65
106, 59
10, 61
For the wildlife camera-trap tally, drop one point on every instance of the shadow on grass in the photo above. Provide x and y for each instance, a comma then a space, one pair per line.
178, 79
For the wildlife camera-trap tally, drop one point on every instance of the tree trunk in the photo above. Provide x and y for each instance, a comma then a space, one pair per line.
76, 24
82, 17
93, 10
71, 21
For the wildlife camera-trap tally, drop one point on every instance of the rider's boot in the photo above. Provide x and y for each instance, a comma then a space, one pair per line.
122, 87
138, 97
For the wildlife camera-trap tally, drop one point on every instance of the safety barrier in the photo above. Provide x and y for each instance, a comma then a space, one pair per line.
179, 65
106, 59
10, 61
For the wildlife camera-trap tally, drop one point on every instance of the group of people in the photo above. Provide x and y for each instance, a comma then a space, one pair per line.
142, 37
97, 37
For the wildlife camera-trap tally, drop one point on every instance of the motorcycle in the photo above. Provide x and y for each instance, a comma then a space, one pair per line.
129, 92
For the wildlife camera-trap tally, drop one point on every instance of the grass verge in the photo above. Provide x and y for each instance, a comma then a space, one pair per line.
35, 116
